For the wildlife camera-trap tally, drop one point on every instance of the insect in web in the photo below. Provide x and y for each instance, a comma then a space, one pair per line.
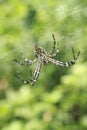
43, 58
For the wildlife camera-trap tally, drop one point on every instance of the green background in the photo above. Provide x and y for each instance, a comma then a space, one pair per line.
58, 101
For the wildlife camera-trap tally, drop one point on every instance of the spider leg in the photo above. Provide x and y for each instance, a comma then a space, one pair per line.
54, 47
75, 57
36, 73
35, 76
25, 81
31, 73
57, 51
28, 62
25, 59
65, 64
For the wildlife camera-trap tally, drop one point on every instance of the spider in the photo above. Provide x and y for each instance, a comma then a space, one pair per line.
44, 58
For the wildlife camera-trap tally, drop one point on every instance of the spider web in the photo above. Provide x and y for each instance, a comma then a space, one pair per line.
27, 42
21, 28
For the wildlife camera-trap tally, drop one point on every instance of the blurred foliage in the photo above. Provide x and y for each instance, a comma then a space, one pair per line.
58, 101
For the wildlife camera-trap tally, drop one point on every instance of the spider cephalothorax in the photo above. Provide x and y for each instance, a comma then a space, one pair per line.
41, 55
44, 58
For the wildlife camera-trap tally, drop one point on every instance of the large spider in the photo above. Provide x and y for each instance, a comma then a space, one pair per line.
44, 58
